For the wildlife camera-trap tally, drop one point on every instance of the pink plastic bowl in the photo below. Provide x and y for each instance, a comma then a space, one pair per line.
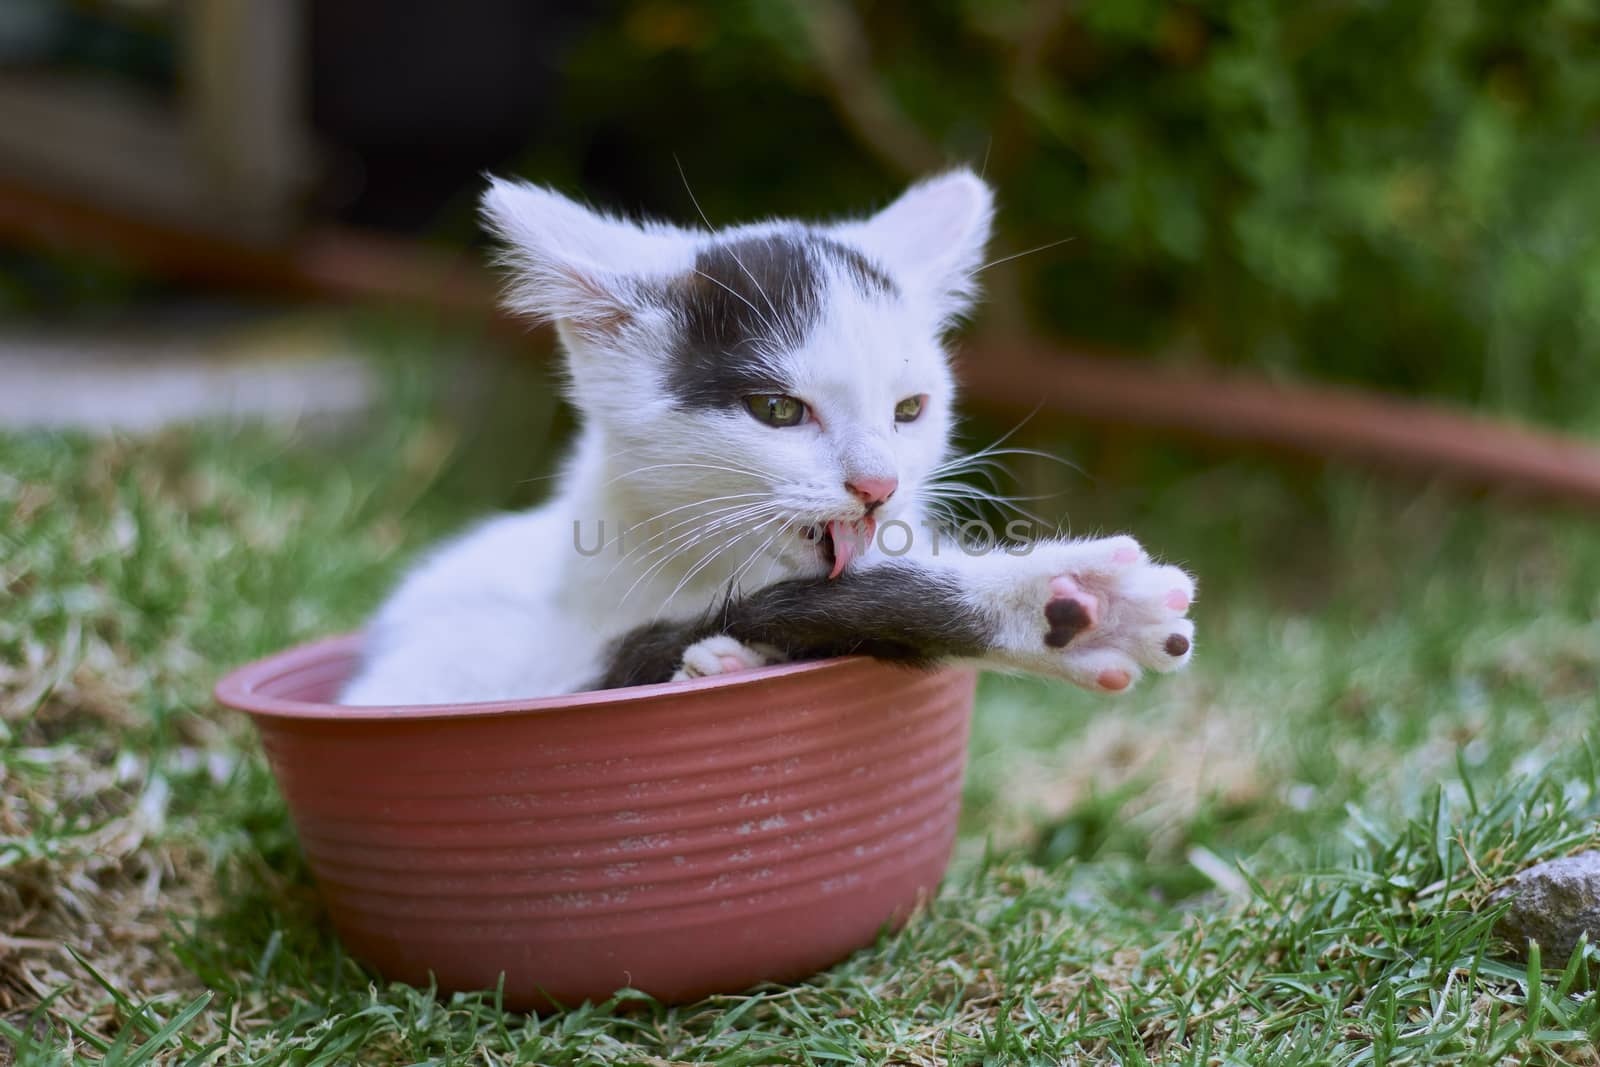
680, 839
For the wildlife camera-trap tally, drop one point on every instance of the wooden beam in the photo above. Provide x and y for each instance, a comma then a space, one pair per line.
1386, 433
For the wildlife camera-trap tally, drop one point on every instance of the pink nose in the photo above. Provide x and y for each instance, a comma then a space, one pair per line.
872, 491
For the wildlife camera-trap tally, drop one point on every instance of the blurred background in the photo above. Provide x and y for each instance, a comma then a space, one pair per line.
1401, 197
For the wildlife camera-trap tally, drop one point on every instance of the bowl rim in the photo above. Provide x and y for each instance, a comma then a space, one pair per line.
241, 688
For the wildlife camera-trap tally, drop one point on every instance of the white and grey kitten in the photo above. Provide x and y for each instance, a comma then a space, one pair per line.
756, 402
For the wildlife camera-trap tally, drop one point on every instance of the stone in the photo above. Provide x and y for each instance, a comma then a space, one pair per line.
1554, 904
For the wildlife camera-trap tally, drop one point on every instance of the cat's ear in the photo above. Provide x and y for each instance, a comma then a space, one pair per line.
932, 237
574, 265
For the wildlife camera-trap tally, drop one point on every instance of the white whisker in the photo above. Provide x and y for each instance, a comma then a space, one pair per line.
716, 528
734, 292
658, 516
1019, 255
706, 561
710, 522
689, 466
701, 526
696, 202
733, 582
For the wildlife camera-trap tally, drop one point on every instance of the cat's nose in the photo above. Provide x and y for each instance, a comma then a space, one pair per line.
872, 491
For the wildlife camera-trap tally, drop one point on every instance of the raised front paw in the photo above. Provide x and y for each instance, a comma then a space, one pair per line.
1101, 612
722, 654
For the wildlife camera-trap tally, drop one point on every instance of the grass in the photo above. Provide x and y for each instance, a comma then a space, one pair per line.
1282, 856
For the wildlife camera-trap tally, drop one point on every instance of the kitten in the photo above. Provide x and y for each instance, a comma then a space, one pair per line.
758, 403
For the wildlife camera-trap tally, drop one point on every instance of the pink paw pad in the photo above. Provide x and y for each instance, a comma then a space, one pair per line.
1114, 681
1178, 600
1070, 611
731, 664
1127, 554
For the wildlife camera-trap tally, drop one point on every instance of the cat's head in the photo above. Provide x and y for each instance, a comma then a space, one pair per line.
793, 370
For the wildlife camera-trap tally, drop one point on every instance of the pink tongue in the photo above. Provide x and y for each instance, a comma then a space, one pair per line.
849, 540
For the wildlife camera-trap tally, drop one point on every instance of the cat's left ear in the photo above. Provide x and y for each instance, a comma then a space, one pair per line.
932, 238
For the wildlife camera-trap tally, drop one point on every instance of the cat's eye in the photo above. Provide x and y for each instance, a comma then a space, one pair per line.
910, 408
775, 409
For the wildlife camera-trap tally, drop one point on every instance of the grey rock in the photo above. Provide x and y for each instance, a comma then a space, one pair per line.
1554, 904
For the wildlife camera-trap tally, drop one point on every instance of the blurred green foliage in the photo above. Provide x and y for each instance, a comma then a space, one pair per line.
1399, 194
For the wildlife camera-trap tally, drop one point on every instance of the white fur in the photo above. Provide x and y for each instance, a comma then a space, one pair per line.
514, 607
1134, 615
721, 654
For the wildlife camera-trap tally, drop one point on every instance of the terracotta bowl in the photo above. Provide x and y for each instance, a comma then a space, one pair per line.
681, 839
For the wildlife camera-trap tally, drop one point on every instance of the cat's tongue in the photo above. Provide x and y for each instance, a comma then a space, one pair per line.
850, 539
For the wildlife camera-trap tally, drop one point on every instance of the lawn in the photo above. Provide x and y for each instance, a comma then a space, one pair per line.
1282, 856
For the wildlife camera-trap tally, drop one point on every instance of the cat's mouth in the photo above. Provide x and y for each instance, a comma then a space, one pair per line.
839, 542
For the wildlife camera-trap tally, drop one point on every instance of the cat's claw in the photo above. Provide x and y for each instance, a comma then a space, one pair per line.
1109, 613
722, 654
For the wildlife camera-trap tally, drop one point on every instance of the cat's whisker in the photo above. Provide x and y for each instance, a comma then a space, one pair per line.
999, 501
706, 560
703, 218
990, 453
700, 526
776, 557
740, 296
612, 455
988, 474
668, 557
740, 463
947, 487
944, 513
985, 465
668, 549
1003, 438
949, 482
624, 530
733, 582
684, 466
728, 516
658, 516
1018, 255
965, 463
968, 491
772, 564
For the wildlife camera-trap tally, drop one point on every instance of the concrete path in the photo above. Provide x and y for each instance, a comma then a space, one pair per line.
104, 378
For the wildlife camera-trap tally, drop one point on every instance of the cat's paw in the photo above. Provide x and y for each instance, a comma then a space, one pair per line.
722, 654
1101, 613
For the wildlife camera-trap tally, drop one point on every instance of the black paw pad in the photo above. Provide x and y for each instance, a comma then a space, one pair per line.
1176, 645
1068, 618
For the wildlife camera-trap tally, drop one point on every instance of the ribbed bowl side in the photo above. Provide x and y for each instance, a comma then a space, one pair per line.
683, 845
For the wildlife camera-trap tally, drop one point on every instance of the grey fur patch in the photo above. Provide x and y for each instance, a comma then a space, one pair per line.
746, 300
871, 280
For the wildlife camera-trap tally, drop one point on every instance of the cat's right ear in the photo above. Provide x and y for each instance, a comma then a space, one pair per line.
573, 265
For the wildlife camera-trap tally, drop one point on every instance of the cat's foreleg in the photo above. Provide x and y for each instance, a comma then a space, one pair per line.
899, 611
1096, 613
